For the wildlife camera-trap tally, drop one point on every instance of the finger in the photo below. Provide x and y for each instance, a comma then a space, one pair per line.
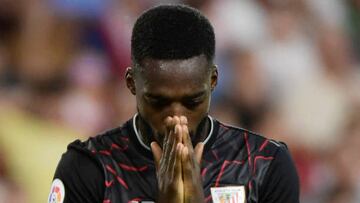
169, 131
176, 120
171, 144
157, 153
175, 140
191, 176
171, 140
186, 164
186, 138
165, 141
178, 165
171, 164
198, 151
179, 133
183, 120
169, 123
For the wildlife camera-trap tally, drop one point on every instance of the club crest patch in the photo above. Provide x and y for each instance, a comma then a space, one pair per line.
228, 194
57, 192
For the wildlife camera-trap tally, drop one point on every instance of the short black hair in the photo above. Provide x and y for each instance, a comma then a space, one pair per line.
172, 32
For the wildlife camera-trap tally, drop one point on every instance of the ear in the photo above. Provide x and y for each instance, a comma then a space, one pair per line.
130, 80
214, 77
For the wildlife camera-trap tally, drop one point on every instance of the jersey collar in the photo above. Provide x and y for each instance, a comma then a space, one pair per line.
148, 148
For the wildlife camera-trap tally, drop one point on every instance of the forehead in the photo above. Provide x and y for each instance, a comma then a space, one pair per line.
175, 76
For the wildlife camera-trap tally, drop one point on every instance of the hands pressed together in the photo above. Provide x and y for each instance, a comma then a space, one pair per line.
178, 164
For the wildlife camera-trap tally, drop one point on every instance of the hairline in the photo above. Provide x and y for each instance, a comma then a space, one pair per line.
138, 67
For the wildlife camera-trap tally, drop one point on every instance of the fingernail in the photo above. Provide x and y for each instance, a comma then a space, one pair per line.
185, 128
183, 120
177, 128
177, 119
185, 150
178, 147
152, 145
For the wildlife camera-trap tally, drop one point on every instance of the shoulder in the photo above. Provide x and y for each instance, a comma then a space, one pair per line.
281, 182
254, 142
75, 161
81, 156
269, 160
101, 142
81, 168
80, 175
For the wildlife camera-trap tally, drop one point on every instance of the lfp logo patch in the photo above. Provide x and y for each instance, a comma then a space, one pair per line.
229, 194
57, 192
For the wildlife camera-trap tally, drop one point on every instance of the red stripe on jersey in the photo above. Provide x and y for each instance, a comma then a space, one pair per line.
132, 168
224, 126
109, 168
247, 147
108, 183
263, 158
223, 166
115, 146
208, 198
250, 185
237, 162
263, 145
221, 172
106, 152
215, 155
122, 182
203, 172
134, 200
125, 139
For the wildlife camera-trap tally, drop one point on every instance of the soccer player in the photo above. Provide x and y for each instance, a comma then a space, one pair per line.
172, 150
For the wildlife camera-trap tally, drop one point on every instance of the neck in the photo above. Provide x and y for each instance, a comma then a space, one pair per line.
202, 131
145, 131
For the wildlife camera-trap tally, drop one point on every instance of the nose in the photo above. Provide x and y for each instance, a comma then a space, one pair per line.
177, 109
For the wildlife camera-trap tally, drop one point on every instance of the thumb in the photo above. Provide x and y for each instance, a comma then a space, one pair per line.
157, 152
198, 152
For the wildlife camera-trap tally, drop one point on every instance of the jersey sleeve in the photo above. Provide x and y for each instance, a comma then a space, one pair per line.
81, 176
281, 183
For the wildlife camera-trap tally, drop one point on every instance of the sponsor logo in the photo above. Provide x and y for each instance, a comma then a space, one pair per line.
57, 192
228, 194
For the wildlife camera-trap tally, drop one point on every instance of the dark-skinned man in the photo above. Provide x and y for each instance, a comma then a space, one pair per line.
172, 150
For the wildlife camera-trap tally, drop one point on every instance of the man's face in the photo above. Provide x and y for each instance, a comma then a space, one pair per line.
173, 87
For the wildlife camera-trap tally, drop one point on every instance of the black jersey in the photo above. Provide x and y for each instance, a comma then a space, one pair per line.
237, 166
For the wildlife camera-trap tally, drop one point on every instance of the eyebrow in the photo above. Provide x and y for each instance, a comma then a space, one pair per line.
190, 96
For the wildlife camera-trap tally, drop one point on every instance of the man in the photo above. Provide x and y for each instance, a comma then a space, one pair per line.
172, 150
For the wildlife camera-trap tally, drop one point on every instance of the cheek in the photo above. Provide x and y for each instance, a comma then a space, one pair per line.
197, 116
152, 116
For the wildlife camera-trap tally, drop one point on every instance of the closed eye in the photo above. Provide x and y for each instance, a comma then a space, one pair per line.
191, 104
157, 102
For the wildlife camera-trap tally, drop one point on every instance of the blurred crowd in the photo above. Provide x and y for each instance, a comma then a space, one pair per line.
289, 70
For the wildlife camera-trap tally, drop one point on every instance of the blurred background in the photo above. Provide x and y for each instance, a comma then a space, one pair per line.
289, 69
